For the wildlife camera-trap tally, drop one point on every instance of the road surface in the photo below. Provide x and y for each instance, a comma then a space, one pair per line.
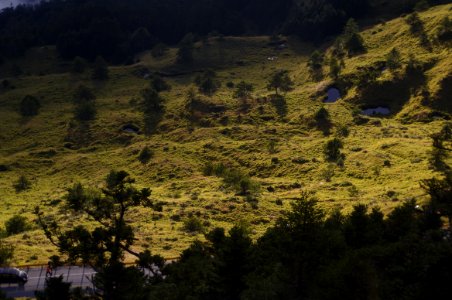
78, 276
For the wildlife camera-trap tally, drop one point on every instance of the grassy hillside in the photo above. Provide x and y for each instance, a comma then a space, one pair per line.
274, 142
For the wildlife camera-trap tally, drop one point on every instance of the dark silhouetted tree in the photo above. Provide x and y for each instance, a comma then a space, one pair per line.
104, 246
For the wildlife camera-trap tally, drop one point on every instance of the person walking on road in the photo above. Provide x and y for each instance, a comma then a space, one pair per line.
49, 270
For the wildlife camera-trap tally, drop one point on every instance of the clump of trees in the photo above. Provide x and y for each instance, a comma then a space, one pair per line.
29, 106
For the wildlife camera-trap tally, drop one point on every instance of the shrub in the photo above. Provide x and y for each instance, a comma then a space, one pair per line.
145, 155
85, 111
243, 90
29, 106
193, 225
343, 131
22, 184
207, 83
393, 60
328, 173
15, 225
230, 84
332, 149
322, 116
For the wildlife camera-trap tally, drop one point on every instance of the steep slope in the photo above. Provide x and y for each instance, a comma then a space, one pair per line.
274, 141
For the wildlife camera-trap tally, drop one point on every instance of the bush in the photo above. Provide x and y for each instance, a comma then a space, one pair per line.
393, 60
243, 90
29, 106
145, 155
322, 116
85, 111
332, 150
193, 225
15, 225
22, 184
328, 173
207, 83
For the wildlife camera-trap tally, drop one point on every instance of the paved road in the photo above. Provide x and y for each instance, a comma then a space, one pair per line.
78, 276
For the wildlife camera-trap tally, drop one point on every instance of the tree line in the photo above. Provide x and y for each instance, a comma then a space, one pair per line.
118, 29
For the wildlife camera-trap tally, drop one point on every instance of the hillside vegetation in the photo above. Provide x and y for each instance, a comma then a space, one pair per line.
272, 143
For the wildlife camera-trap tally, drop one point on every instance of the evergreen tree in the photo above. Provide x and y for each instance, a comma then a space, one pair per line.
352, 39
280, 81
